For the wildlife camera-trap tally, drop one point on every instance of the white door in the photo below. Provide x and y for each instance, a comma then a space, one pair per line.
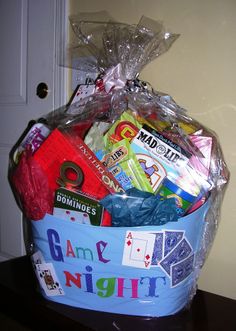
31, 32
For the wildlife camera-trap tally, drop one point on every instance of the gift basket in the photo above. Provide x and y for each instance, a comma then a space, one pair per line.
120, 189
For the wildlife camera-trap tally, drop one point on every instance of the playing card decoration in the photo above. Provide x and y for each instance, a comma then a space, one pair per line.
171, 239
46, 276
181, 270
178, 253
81, 97
168, 250
138, 249
121, 189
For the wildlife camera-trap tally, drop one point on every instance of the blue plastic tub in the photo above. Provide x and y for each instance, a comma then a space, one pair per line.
94, 267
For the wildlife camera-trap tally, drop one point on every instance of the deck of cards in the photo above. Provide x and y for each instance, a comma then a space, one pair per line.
167, 249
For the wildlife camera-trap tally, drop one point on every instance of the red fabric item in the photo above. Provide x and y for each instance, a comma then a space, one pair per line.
32, 188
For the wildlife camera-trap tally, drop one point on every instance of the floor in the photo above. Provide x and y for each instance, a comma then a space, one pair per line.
7, 324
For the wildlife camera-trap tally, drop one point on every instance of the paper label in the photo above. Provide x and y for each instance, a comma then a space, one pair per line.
124, 165
33, 139
158, 155
77, 207
161, 147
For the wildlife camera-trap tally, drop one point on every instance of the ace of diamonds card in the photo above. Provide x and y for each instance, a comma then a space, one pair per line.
138, 249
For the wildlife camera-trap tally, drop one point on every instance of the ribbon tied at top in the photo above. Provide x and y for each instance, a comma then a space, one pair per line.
114, 78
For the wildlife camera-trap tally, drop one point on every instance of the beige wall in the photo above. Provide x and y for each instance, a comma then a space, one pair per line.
199, 72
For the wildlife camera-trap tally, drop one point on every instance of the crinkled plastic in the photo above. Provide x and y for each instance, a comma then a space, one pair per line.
110, 43
159, 175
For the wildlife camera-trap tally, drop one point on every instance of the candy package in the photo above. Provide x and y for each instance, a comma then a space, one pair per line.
121, 187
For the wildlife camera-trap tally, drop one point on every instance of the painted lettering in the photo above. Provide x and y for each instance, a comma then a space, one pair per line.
75, 280
54, 245
69, 249
101, 245
106, 287
89, 279
121, 287
87, 254
152, 282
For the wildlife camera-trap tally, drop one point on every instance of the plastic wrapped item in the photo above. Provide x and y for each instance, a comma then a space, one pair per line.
126, 188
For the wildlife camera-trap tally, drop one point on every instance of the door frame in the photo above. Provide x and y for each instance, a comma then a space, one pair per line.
61, 74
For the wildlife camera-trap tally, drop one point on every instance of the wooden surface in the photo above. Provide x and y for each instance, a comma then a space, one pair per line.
21, 301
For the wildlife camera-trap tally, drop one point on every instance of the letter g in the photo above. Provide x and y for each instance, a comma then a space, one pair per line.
55, 250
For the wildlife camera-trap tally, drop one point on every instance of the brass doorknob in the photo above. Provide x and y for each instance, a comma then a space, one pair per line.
42, 90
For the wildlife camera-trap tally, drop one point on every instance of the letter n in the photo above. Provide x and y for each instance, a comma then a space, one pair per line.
70, 278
